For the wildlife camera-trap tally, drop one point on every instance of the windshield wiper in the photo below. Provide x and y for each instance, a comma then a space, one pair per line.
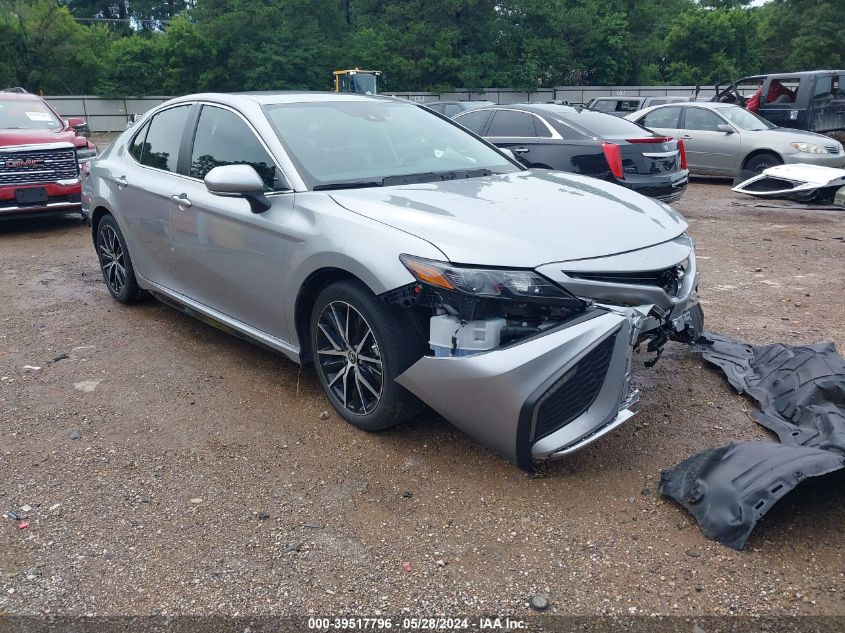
435, 176
360, 184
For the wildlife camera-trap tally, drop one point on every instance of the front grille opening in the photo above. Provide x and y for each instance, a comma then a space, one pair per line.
669, 279
575, 392
38, 166
770, 183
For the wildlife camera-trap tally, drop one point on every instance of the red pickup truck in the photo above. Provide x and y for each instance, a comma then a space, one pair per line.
40, 157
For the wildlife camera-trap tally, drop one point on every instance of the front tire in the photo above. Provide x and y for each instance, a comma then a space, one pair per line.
762, 161
359, 346
115, 263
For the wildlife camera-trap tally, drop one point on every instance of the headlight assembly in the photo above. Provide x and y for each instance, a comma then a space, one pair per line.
516, 285
809, 148
84, 154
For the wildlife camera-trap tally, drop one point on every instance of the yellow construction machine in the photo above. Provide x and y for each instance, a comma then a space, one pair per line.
356, 81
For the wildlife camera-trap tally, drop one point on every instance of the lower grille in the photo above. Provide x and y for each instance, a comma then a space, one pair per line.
668, 278
38, 166
573, 394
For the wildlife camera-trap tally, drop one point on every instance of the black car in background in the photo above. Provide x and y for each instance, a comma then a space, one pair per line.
452, 109
585, 142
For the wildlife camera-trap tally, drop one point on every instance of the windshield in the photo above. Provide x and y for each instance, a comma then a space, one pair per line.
27, 114
362, 143
360, 83
745, 120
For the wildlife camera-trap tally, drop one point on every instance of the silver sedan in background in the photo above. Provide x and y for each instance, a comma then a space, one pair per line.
722, 139
407, 259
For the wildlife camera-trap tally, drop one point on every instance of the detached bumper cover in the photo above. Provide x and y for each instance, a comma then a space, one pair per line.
797, 181
543, 397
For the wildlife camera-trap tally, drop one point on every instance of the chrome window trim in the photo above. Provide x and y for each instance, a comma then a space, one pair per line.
151, 115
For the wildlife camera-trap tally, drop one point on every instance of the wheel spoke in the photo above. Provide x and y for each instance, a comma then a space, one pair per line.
331, 352
360, 394
368, 359
338, 375
329, 336
369, 387
338, 327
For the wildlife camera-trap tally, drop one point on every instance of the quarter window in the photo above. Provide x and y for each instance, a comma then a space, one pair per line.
508, 123
164, 136
701, 119
223, 138
662, 117
136, 147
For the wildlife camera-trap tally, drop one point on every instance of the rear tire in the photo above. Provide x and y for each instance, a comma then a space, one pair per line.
761, 161
115, 263
360, 345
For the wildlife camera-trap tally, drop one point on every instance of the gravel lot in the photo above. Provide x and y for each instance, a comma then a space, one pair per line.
172, 469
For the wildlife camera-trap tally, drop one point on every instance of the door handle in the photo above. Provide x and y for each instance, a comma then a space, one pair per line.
686, 136
181, 200
520, 150
121, 181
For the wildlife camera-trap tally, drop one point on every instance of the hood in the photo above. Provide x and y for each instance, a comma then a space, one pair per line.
13, 138
520, 220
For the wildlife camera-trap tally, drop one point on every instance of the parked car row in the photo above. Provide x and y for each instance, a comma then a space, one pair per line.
725, 140
407, 259
585, 142
40, 156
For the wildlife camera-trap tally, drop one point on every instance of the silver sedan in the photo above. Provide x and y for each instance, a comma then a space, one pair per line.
406, 259
722, 139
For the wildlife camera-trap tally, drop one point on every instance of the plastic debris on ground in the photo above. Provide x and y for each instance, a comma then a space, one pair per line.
801, 393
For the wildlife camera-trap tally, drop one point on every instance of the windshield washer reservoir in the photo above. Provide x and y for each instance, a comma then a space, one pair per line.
452, 337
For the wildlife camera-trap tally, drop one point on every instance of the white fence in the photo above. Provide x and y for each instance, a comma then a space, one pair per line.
112, 115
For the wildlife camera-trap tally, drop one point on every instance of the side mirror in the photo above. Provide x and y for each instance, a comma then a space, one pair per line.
238, 181
131, 119
727, 129
80, 125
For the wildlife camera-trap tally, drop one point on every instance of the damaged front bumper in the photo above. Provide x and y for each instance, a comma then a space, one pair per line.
542, 397
663, 291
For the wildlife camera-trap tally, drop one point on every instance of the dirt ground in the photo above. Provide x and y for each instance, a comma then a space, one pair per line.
172, 469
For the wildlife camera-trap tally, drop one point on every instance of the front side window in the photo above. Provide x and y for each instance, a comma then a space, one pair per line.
27, 114
508, 123
628, 106
163, 139
701, 119
666, 118
363, 142
782, 90
223, 138
746, 120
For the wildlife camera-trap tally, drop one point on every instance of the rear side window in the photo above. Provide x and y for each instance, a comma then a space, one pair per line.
603, 105
701, 119
508, 123
223, 138
474, 121
662, 117
437, 107
164, 136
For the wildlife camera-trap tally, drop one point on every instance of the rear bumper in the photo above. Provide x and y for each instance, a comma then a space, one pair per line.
666, 188
544, 397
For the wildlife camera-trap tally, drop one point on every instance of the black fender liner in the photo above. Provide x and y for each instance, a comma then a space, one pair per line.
800, 388
729, 489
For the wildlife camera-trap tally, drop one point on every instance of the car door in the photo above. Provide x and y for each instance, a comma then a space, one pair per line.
229, 258
709, 150
141, 187
516, 130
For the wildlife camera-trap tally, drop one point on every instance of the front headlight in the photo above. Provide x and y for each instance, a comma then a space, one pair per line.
517, 285
809, 148
84, 154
